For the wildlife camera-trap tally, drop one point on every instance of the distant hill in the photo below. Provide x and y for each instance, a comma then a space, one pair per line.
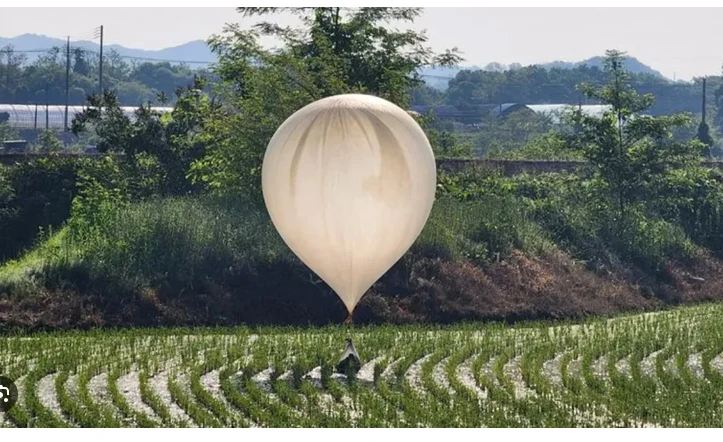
196, 50
632, 64
439, 77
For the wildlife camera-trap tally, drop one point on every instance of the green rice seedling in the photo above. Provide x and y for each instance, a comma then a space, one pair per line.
216, 407
199, 414
153, 401
140, 419
41, 416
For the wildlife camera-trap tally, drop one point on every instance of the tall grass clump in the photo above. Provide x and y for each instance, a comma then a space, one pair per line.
177, 241
486, 228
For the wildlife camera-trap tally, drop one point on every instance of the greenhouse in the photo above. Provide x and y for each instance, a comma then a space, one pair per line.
556, 111
31, 116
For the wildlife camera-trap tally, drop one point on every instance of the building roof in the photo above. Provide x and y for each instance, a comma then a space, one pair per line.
470, 115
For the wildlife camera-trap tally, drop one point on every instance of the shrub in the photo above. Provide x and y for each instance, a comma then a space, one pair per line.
37, 195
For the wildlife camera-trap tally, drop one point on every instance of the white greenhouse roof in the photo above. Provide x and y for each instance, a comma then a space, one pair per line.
557, 110
30, 116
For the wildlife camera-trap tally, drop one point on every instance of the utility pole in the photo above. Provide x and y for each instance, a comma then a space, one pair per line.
703, 110
7, 75
67, 81
100, 76
47, 105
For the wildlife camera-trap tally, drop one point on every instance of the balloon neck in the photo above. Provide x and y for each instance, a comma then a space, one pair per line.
348, 320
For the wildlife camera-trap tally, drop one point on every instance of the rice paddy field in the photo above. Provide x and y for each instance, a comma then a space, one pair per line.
662, 369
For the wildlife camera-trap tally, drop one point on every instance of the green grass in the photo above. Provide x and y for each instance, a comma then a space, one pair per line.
435, 393
212, 237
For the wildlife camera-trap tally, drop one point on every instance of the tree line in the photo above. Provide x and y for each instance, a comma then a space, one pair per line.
538, 85
43, 81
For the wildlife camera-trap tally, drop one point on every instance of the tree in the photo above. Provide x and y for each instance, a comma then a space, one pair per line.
705, 138
43, 80
49, 142
632, 154
12, 74
174, 141
335, 51
7, 132
80, 65
116, 66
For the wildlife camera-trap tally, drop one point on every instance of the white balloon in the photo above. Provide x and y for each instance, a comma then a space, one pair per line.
349, 182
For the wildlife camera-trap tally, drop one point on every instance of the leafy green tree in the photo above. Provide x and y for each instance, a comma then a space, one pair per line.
174, 141
43, 80
48, 141
10, 71
632, 154
537, 85
705, 138
7, 132
80, 65
425, 95
445, 143
335, 51
540, 147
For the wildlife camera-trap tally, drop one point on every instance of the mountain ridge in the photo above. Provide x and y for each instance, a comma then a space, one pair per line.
198, 51
192, 51
439, 77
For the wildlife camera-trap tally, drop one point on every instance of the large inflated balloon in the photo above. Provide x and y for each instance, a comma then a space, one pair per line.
349, 183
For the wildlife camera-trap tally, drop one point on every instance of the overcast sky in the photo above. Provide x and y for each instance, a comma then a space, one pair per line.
678, 42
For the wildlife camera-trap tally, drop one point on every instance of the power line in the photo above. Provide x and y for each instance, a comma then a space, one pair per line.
130, 57
155, 59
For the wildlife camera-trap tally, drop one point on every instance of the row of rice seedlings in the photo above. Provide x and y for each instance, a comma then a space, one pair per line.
531, 409
496, 406
94, 414
468, 409
152, 400
198, 413
397, 392
637, 397
343, 403
713, 374
40, 416
474, 411
218, 408
550, 410
441, 408
17, 415
244, 404
138, 418
72, 409
23, 357
640, 398
380, 404
277, 414
499, 408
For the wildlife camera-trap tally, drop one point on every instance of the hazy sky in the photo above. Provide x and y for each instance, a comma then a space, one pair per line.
679, 42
